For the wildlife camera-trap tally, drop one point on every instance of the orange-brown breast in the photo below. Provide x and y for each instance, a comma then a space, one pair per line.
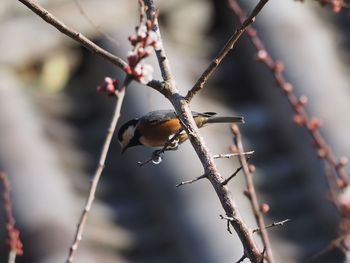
156, 135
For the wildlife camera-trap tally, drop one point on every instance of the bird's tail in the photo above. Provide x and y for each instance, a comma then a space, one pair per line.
218, 119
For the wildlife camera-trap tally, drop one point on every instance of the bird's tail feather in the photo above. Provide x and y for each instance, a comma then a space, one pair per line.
219, 119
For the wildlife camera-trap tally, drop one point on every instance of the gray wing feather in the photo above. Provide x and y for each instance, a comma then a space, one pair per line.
159, 116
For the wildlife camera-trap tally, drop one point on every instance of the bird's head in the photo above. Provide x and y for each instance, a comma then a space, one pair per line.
128, 135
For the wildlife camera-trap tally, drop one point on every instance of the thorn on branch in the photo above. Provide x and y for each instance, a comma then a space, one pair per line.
228, 218
191, 181
234, 174
228, 221
229, 155
274, 224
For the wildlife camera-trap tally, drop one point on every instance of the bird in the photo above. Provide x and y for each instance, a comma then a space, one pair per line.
156, 128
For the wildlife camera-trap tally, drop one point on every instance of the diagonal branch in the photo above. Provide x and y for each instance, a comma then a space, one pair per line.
183, 111
83, 40
97, 175
224, 51
52, 20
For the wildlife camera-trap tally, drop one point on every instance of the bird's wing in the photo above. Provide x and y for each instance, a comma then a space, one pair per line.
158, 117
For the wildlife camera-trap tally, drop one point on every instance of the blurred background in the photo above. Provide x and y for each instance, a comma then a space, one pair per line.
53, 123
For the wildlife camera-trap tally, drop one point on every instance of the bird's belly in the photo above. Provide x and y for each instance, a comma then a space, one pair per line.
159, 140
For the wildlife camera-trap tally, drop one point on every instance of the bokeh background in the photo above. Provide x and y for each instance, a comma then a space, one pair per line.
53, 123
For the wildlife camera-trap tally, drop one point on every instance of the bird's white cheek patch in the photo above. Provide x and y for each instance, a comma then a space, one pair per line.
128, 135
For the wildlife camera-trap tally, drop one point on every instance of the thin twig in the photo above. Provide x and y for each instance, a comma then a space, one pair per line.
252, 195
336, 243
302, 118
274, 224
191, 181
234, 174
83, 40
184, 113
229, 155
12, 256
96, 177
224, 51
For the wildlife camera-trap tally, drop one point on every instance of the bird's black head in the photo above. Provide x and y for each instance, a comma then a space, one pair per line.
128, 135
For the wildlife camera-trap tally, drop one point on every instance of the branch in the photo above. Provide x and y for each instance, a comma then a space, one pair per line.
301, 117
274, 224
14, 241
96, 177
226, 49
252, 195
184, 113
337, 5
83, 40
229, 155
234, 174
228, 220
191, 181
52, 20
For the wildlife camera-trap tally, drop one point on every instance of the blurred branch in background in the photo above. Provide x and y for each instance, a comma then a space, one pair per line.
258, 209
112, 90
14, 242
339, 179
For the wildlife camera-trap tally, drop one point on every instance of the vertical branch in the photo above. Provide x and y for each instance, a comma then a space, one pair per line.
97, 175
14, 241
160, 52
251, 194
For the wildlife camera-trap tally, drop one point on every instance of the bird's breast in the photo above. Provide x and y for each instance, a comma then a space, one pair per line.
156, 135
